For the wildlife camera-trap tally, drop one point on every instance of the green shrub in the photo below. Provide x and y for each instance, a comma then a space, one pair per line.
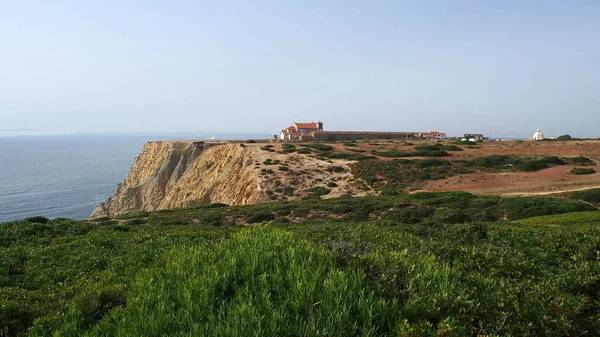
389, 190
450, 148
288, 190
260, 216
288, 148
336, 169
514, 162
210, 219
409, 215
320, 147
591, 195
452, 216
581, 161
304, 151
581, 170
283, 168
346, 156
417, 153
332, 184
522, 208
266, 171
133, 222
37, 219
427, 148
134, 215
564, 137
319, 190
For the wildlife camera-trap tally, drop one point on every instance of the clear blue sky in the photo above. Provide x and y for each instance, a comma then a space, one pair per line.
257, 66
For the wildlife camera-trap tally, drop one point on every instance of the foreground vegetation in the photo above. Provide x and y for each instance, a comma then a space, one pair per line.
430, 264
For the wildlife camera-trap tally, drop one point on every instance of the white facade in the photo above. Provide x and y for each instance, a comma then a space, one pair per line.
538, 135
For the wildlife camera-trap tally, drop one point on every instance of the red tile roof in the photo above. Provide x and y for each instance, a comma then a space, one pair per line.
306, 125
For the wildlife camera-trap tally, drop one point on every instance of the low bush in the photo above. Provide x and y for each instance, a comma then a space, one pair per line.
133, 215
389, 190
564, 137
288, 190
336, 169
332, 184
409, 215
522, 208
420, 151
582, 170
288, 148
268, 148
514, 162
346, 156
260, 216
304, 150
133, 222
318, 147
37, 219
319, 190
581, 161
591, 195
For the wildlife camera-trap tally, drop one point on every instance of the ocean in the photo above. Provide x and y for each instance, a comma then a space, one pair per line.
66, 176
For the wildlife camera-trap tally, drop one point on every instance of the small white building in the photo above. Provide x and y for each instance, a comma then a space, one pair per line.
538, 135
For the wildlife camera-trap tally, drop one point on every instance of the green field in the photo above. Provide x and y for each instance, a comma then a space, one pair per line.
430, 264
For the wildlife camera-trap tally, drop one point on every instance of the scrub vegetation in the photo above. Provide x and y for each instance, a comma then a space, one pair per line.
426, 264
582, 170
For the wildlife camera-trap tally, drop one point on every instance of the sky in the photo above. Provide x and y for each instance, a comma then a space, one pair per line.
501, 68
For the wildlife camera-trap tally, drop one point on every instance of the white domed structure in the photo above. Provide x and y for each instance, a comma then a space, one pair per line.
538, 135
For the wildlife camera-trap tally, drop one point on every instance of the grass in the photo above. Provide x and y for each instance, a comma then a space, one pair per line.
425, 264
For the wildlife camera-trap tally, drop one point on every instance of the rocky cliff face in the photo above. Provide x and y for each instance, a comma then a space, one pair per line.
173, 174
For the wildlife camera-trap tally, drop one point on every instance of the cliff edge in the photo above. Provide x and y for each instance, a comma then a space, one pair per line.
172, 174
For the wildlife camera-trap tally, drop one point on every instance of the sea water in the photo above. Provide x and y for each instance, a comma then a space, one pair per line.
66, 176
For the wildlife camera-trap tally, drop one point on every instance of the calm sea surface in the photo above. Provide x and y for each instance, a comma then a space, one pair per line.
65, 176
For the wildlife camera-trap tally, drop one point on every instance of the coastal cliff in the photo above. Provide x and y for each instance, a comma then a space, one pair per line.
175, 174
172, 174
